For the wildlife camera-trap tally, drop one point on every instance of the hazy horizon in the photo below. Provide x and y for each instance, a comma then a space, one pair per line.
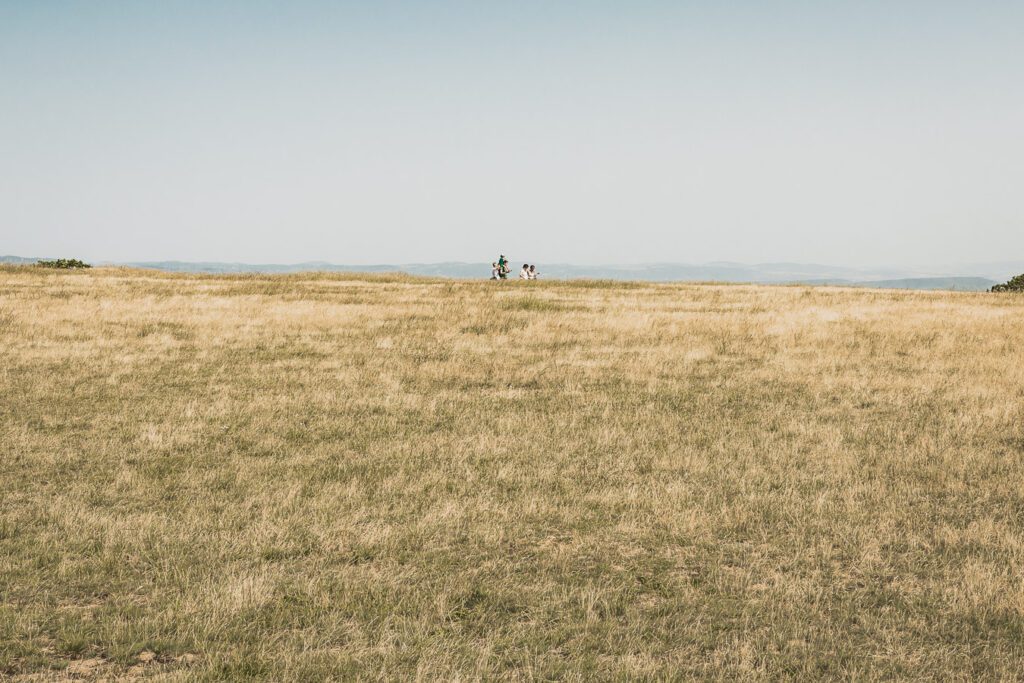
1014, 263
857, 135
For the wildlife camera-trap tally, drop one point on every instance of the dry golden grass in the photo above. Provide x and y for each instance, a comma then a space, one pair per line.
308, 477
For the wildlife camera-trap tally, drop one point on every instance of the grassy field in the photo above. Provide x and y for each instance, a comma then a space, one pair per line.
312, 476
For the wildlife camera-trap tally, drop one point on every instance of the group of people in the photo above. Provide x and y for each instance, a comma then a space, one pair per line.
500, 270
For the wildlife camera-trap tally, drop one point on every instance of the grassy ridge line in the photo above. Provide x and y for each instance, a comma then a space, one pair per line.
295, 477
398, 276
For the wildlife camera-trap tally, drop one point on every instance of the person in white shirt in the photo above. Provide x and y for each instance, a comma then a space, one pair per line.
495, 271
533, 272
524, 274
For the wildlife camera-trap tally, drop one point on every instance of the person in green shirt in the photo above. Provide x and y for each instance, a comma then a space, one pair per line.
502, 267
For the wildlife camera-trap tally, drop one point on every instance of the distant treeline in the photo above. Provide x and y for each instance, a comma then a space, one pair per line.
63, 263
1015, 284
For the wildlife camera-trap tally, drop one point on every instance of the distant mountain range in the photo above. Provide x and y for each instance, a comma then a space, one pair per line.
964, 277
18, 260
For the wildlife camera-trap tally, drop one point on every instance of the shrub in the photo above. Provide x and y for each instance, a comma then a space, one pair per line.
1015, 284
64, 263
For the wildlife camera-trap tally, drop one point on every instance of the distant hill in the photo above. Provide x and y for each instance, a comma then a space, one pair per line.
18, 260
961, 284
457, 270
969, 277
766, 273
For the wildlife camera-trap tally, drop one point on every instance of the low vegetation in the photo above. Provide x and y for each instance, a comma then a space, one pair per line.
380, 477
63, 263
1015, 284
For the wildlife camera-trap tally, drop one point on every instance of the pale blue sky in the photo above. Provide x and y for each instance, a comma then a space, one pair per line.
854, 133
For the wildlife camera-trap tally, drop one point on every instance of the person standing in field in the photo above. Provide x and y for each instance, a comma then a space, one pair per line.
502, 266
524, 274
495, 271
533, 272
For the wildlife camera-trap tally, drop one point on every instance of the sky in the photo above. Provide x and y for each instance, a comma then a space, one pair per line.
849, 133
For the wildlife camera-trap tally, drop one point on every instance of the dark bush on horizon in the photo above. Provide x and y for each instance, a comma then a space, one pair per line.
64, 263
1015, 284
